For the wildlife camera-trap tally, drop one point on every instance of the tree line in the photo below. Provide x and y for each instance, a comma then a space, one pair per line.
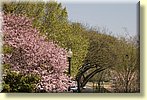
88, 45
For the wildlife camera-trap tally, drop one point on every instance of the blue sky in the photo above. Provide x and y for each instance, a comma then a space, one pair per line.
113, 16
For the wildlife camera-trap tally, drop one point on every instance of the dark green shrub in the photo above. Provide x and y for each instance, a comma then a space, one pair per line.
17, 82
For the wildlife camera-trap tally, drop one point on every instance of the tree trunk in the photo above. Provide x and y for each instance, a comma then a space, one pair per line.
99, 86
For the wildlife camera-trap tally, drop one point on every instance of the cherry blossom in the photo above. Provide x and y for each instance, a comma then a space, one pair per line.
32, 53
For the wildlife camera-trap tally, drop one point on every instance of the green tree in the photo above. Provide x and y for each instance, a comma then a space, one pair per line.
101, 50
126, 70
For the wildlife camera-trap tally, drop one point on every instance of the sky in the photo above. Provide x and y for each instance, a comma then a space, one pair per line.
113, 16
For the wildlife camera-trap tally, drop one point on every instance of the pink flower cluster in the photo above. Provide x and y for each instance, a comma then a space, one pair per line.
32, 53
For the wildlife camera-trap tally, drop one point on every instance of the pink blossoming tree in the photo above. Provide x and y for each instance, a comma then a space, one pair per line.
32, 53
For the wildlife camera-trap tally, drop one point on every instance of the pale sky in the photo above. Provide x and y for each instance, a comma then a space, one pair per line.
113, 16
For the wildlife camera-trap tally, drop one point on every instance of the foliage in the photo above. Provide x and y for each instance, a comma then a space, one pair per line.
33, 54
7, 49
121, 56
79, 44
101, 50
51, 20
24, 47
16, 82
126, 70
